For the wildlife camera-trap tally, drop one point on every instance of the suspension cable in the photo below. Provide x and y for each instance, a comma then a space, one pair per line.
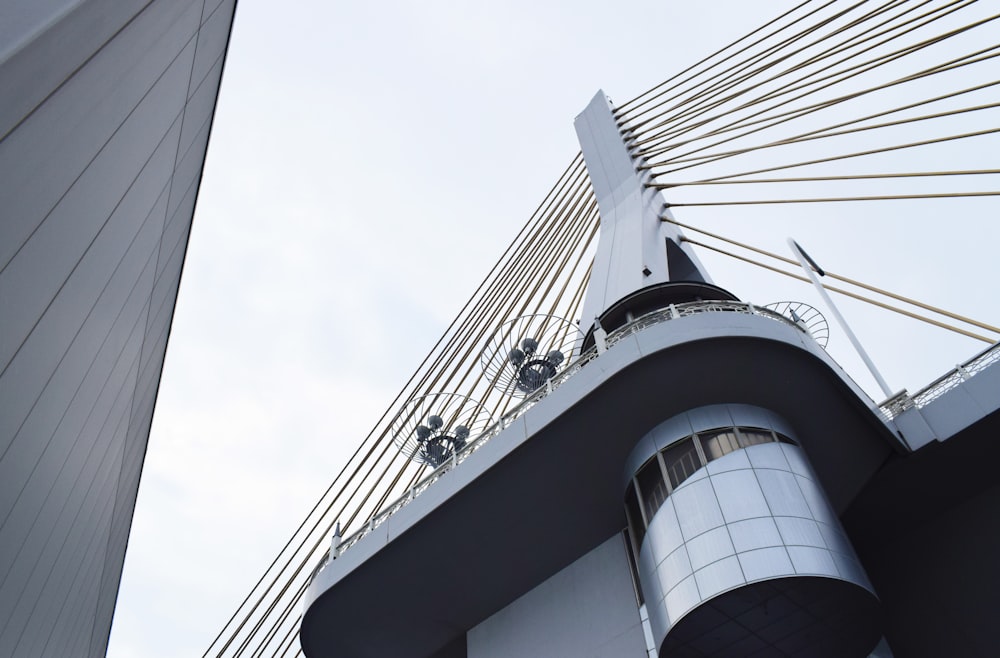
839, 277
841, 291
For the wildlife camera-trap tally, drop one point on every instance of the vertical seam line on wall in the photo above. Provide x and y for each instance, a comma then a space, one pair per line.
725, 523
814, 514
774, 518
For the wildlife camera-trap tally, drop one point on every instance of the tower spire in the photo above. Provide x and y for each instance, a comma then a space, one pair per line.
639, 257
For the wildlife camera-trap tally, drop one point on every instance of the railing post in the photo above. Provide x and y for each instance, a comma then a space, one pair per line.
671, 312
600, 337
963, 372
335, 542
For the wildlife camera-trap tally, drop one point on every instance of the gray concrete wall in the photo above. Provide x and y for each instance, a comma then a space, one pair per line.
587, 610
103, 132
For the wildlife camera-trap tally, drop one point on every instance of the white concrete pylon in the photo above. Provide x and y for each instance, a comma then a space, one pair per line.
636, 248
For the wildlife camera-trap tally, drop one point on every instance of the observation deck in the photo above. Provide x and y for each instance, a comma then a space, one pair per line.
543, 486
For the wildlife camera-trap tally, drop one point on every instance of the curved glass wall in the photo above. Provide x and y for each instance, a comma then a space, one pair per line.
668, 468
737, 549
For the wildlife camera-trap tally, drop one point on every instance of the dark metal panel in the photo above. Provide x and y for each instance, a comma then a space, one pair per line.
137, 330
87, 296
65, 605
54, 585
99, 467
44, 158
53, 490
98, 193
40, 536
73, 599
75, 390
928, 533
41, 62
133, 166
62, 347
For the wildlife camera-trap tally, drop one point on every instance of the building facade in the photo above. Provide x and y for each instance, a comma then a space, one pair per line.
105, 117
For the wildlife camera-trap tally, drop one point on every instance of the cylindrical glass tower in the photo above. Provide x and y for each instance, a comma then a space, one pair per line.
739, 551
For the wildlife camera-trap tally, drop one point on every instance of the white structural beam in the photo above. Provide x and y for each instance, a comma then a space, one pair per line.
632, 250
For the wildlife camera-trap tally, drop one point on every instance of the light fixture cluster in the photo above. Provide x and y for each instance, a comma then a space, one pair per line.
437, 442
432, 428
533, 370
526, 352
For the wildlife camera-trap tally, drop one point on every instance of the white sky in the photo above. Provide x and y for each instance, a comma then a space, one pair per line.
368, 164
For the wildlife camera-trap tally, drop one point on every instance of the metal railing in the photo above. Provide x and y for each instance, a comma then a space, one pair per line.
672, 312
962, 372
695, 308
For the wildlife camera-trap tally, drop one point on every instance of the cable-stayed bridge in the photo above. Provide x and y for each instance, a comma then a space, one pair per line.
813, 101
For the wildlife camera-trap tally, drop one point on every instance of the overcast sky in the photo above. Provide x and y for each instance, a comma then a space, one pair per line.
368, 164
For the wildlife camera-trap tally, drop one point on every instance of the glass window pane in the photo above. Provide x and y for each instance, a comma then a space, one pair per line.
634, 517
751, 437
682, 461
717, 444
631, 550
784, 439
652, 487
